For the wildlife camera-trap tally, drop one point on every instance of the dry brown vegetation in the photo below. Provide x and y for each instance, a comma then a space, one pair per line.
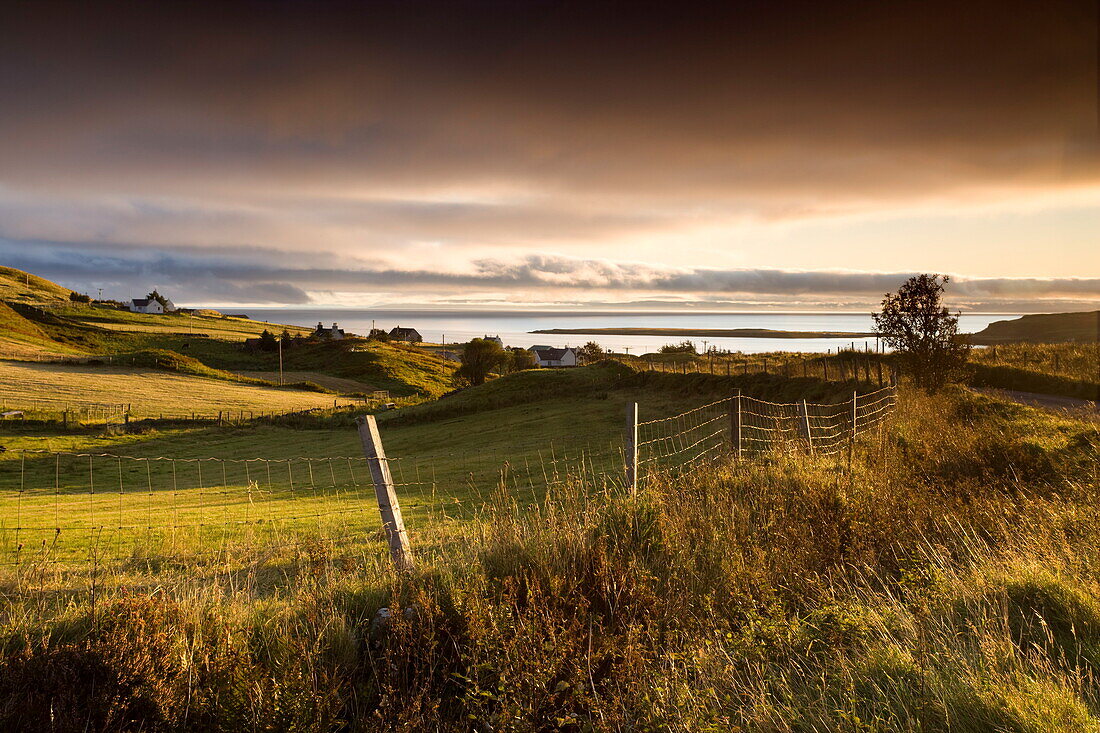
946, 581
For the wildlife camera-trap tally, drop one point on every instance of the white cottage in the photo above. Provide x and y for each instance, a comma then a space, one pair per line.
548, 356
146, 305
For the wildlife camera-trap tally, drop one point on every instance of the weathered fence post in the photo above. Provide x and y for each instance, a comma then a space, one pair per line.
855, 397
735, 423
385, 493
806, 420
825, 368
631, 444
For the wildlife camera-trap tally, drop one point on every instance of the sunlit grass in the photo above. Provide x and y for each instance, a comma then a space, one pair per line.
947, 580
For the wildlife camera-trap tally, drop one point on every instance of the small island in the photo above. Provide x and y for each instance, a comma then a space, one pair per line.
709, 332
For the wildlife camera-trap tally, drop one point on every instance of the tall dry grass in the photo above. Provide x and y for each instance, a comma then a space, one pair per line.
947, 579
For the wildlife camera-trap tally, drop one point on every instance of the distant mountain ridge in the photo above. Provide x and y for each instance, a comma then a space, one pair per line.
1082, 327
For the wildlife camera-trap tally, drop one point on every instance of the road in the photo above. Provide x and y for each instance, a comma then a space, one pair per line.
1051, 402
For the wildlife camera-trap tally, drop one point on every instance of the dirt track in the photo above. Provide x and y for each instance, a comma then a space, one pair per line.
1050, 402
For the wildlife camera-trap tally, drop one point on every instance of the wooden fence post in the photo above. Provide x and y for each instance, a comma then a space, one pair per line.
806, 420
385, 493
735, 423
825, 367
631, 444
855, 397
852, 438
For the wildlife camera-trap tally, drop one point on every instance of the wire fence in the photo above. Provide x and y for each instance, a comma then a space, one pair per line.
851, 364
744, 426
115, 515
35, 413
115, 511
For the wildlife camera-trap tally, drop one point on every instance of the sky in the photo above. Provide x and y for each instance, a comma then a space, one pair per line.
754, 155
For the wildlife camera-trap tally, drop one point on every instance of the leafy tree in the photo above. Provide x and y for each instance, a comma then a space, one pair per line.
479, 358
377, 334
518, 360
590, 353
159, 298
285, 338
267, 341
79, 297
922, 332
684, 347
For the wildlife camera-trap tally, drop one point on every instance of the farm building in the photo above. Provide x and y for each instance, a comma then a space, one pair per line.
332, 334
498, 340
145, 305
405, 334
548, 356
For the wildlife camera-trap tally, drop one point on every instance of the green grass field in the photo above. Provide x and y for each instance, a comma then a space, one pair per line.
1066, 369
150, 392
23, 287
37, 321
944, 580
221, 327
519, 434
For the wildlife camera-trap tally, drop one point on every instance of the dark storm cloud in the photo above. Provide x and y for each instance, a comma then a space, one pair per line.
669, 99
270, 151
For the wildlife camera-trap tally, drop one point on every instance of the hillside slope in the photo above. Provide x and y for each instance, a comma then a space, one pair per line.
22, 287
1042, 328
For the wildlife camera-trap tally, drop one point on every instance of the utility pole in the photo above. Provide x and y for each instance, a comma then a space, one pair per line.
280, 361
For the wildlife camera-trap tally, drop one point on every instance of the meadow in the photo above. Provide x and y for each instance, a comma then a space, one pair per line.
1066, 369
149, 392
944, 580
211, 324
166, 490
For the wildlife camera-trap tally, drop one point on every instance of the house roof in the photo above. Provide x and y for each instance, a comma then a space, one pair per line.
141, 302
550, 354
399, 329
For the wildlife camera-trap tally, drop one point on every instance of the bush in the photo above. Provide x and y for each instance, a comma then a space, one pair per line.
684, 347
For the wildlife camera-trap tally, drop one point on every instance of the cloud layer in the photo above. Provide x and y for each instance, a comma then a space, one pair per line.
399, 146
264, 277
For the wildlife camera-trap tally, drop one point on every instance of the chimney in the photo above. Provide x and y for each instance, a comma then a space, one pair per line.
334, 326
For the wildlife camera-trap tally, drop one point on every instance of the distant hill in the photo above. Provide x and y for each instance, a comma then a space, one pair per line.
37, 320
1045, 328
17, 286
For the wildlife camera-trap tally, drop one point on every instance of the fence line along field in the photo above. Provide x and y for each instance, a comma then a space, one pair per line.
149, 391
79, 510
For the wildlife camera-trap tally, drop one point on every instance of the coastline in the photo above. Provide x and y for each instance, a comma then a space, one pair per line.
708, 332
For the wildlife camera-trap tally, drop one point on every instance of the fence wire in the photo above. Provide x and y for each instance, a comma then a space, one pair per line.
743, 426
76, 510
